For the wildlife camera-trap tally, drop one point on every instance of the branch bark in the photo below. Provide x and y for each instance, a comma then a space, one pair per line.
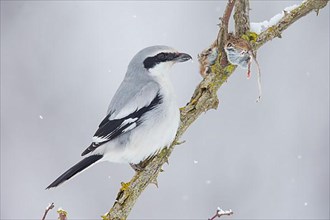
48, 208
289, 18
204, 97
241, 17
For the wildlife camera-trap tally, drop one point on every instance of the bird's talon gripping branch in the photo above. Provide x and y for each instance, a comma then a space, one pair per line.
137, 167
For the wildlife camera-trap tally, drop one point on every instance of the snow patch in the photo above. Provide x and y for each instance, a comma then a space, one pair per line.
261, 26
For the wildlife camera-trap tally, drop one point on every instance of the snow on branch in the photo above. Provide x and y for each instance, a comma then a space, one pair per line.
283, 22
262, 26
220, 213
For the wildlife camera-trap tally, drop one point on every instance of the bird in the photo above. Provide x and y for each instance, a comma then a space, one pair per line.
143, 115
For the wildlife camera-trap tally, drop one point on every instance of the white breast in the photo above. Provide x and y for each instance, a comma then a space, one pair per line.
157, 131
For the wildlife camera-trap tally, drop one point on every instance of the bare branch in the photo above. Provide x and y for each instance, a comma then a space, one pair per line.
203, 99
223, 32
242, 17
227, 14
221, 212
49, 207
289, 18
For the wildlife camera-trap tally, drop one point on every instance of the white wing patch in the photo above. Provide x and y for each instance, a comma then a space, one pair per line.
131, 121
97, 139
129, 127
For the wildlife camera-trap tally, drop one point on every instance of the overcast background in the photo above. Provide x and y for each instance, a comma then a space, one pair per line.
61, 62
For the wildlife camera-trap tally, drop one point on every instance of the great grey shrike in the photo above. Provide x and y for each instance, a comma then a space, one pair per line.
143, 116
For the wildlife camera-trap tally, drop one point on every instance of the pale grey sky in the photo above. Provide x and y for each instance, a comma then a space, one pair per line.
61, 63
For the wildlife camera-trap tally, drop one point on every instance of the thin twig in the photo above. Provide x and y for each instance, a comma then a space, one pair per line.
226, 16
223, 32
49, 207
242, 17
220, 213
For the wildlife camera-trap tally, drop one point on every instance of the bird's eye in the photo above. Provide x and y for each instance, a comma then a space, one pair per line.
161, 56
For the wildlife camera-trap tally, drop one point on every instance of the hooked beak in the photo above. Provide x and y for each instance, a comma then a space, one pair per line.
182, 57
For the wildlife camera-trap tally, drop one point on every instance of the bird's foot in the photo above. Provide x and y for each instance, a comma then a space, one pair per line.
137, 167
142, 165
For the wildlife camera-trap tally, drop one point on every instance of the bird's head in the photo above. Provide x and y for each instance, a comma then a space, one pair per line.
158, 59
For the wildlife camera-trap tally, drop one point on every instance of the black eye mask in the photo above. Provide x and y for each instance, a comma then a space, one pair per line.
159, 58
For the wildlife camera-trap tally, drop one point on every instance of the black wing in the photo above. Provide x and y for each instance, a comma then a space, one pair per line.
110, 129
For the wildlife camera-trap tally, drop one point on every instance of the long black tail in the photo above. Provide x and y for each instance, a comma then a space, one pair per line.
83, 164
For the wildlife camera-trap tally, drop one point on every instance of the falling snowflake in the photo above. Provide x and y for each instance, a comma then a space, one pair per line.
40, 116
195, 161
305, 204
299, 157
